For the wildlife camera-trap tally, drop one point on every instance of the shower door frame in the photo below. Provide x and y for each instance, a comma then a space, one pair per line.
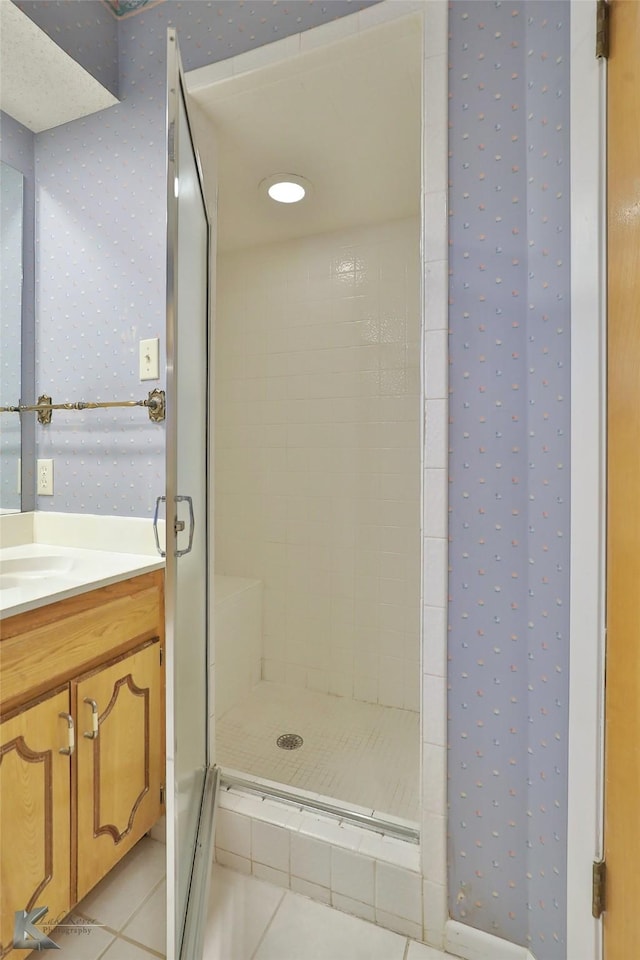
185, 934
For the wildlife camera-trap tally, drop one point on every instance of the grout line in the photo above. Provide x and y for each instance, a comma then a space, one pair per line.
142, 946
406, 949
268, 926
109, 945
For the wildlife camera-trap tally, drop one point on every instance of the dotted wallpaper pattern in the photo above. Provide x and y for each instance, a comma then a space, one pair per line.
101, 250
509, 468
11, 193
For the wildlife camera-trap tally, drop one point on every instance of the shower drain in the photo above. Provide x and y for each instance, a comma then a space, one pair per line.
289, 741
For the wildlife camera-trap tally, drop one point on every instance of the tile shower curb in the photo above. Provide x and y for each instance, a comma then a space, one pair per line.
356, 871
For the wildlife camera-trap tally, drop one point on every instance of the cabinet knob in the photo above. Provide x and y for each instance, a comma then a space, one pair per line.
93, 733
71, 734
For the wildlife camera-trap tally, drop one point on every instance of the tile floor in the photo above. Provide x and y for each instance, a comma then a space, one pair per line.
248, 920
127, 910
362, 753
253, 920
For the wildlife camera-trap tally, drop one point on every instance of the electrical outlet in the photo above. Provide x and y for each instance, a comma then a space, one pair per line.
150, 359
45, 478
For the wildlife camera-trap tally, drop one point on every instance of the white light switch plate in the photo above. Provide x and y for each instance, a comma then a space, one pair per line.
150, 359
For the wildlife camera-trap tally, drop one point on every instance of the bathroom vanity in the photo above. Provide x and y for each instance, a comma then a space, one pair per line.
82, 752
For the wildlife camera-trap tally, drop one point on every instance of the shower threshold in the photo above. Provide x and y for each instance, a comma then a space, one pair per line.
231, 780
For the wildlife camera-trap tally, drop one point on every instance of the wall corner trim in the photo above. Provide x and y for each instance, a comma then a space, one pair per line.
464, 941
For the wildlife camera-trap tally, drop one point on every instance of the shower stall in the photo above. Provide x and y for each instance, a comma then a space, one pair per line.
318, 450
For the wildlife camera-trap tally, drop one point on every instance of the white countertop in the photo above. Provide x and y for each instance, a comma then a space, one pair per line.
72, 571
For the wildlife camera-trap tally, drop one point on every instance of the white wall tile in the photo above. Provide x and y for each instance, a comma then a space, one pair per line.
434, 779
233, 833
436, 435
311, 860
352, 875
234, 862
433, 837
435, 212
435, 134
435, 28
312, 890
436, 295
277, 877
435, 506
407, 928
434, 591
270, 845
435, 913
330, 462
434, 706
399, 892
355, 907
436, 364
435, 641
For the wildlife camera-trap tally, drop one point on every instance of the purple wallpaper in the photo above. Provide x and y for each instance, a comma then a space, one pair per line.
101, 250
509, 468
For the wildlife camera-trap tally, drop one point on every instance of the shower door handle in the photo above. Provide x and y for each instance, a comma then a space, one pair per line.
179, 525
159, 500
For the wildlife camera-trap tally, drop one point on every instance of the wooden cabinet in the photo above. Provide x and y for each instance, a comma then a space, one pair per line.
119, 760
91, 665
35, 826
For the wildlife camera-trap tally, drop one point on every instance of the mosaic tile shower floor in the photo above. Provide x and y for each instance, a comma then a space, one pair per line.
361, 753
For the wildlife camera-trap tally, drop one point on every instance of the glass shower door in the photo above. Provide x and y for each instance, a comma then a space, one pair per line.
191, 781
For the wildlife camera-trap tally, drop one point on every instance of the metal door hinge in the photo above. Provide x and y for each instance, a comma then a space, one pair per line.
603, 13
162, 795
598, 902
161, 656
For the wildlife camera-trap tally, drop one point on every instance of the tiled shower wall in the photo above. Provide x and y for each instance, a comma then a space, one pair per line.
318, 454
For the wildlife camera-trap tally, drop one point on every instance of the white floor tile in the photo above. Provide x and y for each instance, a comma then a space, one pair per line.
420, 951
81, 942
123, 950
149, 925
361, 753
304, 930
239, 913
120, 894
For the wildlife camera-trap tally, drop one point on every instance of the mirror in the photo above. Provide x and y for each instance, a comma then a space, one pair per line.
11, 274
41, 86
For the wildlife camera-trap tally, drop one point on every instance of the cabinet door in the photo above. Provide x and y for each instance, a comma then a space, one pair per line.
120, 760
35, 817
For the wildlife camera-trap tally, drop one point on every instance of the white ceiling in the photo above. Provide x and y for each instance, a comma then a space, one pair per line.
41, 86
346, 117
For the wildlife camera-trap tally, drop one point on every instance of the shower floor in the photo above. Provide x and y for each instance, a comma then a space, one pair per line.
361, 753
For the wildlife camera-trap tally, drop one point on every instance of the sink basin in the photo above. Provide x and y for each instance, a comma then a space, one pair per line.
34, 568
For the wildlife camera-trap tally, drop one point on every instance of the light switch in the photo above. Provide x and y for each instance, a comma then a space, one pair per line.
150, 359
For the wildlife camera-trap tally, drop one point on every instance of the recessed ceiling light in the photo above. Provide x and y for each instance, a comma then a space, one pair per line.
286, 187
